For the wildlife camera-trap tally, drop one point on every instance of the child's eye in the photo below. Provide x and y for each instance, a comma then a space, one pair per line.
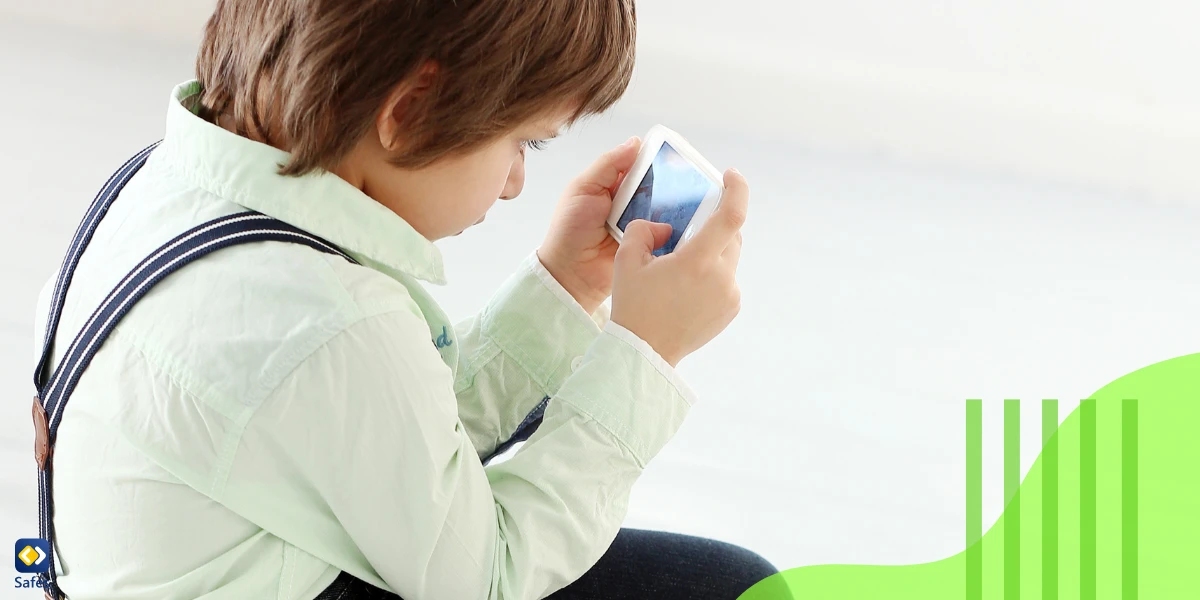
534, 144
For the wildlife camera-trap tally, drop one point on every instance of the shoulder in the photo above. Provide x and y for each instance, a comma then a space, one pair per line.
233, 324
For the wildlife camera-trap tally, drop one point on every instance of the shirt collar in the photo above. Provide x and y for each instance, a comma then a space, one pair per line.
245, 172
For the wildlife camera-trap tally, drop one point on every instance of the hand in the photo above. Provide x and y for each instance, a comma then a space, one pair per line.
679, 302
578, 250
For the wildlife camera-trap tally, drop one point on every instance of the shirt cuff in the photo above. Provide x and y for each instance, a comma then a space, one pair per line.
537, 323
600, 317
660, 364
627, 388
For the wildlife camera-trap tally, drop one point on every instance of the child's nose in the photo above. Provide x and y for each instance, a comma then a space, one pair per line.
516, 180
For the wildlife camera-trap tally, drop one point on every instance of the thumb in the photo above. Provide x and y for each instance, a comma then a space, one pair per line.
662, 233
641, 239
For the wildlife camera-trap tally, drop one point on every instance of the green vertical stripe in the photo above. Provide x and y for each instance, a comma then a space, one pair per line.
1012, 499
1049, 500
1087, 500
1129, 500
974, 499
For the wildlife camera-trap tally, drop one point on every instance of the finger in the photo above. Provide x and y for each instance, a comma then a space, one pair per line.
619, 181
733, 252
662, 233
606, 171
726, 221
639, 242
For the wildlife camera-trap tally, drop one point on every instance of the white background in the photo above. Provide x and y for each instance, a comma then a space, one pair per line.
952, 199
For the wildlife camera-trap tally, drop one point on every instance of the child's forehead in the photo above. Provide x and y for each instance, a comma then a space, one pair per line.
554, 119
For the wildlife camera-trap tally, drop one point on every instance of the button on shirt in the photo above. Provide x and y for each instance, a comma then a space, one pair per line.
270, 416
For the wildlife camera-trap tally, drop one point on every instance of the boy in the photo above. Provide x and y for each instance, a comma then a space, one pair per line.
277, 422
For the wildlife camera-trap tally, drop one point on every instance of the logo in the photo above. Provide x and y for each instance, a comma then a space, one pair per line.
443, 340
32, 555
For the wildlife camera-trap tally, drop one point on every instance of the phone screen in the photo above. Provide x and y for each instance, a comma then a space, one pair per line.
670, 193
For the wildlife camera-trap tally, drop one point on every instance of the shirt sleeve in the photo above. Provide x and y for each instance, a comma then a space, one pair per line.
370, 468
517, 352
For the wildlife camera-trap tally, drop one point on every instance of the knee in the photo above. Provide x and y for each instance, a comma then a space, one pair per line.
749, 561
715, 569
750, 568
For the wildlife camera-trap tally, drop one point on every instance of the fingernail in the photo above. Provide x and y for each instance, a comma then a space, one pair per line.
630, 141
734, 169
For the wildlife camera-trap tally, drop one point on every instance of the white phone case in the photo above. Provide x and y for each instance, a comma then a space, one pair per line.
650, 147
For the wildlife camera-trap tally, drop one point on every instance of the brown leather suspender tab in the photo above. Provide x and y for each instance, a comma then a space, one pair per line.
41, 435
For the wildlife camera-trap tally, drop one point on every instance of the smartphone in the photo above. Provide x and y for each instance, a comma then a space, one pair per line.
670, 182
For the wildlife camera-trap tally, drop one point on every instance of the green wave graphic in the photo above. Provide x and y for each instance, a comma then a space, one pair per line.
1159, 513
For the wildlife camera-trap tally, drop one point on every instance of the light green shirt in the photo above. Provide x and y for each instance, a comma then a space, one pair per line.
270, 415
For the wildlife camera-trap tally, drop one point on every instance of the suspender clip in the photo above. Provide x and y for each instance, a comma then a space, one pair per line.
41, 435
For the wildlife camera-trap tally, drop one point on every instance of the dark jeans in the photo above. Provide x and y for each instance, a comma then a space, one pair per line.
641, 565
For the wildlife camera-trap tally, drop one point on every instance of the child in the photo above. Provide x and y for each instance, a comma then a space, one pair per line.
281, 420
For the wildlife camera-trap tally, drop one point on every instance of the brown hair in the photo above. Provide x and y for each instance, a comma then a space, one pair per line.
318, 71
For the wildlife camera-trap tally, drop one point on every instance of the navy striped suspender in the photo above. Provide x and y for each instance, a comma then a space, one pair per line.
54, 389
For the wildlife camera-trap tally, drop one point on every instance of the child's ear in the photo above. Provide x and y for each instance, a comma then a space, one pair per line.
401, 102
